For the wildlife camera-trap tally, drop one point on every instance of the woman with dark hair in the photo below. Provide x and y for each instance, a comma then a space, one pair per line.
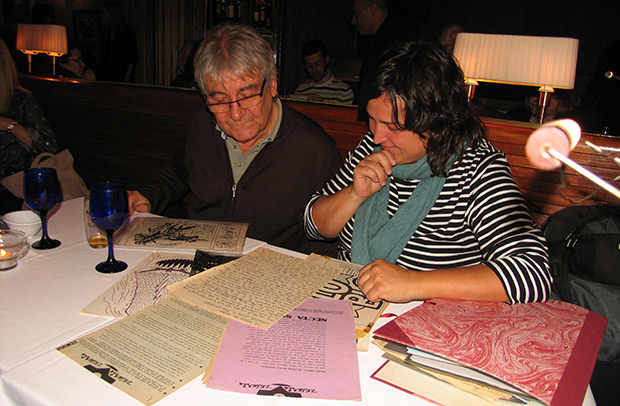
425, 191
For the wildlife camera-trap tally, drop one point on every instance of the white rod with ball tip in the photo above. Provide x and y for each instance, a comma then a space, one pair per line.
594, 178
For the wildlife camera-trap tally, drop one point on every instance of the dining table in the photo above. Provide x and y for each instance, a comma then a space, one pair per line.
41, 302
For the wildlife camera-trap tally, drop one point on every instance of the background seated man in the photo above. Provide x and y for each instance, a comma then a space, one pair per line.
322, 85
425, 202
247, 157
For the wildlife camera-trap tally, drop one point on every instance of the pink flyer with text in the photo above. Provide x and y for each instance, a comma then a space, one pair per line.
309, 353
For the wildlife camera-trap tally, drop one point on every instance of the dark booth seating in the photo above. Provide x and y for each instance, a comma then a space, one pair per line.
125, 133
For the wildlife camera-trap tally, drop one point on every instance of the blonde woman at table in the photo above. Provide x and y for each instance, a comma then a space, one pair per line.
24, 130
426, 191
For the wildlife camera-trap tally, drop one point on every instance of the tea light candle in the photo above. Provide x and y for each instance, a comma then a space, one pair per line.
13, 246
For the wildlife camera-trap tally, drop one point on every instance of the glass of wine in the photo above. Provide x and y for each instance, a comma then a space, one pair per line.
42, 193
109, 211
94, 236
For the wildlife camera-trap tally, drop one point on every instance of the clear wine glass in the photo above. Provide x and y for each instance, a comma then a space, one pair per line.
109, 211
42, 193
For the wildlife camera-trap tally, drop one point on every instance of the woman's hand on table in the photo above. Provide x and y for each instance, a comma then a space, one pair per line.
381, 280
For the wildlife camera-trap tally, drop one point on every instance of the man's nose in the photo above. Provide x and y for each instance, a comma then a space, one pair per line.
236, 111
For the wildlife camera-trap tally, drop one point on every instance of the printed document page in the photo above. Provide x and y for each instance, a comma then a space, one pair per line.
152, 353
309, 353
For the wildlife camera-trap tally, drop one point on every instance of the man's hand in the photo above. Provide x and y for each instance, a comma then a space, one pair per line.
137, 202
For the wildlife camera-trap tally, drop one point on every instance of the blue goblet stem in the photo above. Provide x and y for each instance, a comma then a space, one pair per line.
43, 214
45, 242
111, 265
109, 234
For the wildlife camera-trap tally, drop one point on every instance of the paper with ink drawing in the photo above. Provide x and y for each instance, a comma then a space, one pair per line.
143, 286
309, 353
165, 233
258, 288
344, 287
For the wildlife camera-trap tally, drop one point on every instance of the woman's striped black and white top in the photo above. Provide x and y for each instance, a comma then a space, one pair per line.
480, 216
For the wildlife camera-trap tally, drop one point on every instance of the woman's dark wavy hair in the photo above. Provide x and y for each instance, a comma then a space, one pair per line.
430, 85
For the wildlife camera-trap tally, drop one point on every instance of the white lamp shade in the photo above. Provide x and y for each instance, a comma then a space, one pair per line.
35, 38
518, 59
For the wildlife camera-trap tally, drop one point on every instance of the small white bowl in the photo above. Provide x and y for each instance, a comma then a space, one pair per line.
24, 220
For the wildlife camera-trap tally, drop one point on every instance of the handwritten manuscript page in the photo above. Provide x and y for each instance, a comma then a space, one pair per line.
258, 289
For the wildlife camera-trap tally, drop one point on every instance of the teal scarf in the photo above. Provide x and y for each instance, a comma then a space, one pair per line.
375, 234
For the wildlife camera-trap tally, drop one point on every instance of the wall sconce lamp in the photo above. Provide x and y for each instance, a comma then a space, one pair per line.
35, 38
546, 62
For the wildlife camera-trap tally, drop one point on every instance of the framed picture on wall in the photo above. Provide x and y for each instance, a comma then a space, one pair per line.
87, 27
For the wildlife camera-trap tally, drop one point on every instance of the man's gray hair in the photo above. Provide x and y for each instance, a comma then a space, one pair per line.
234, 49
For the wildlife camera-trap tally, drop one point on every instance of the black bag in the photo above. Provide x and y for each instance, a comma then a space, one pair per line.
584, 250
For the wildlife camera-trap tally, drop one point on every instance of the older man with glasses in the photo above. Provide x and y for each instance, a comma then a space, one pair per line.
248, 157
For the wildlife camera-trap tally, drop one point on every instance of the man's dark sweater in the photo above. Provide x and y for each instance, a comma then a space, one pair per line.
272, 193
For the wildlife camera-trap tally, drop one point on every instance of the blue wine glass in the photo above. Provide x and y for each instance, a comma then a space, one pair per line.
42, 193
109, 210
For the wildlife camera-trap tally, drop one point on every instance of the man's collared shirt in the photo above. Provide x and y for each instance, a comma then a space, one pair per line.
240, 162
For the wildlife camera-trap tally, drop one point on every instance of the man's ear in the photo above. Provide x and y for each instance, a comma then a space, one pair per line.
372, 9
273, 87
327, 59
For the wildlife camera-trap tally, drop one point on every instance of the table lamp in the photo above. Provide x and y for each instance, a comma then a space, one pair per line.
35, 38
546, 62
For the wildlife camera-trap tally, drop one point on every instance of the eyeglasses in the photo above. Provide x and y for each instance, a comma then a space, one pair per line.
244, 102
78, 60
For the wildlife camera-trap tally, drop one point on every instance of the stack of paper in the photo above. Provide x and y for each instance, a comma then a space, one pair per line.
472, 353
165, 341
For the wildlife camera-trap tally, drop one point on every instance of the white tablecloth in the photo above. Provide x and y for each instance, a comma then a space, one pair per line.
40, 304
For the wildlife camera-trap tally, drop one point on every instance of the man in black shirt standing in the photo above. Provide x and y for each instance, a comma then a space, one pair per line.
372, 19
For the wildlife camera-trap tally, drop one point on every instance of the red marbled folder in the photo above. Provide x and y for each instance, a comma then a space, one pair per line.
545, 349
